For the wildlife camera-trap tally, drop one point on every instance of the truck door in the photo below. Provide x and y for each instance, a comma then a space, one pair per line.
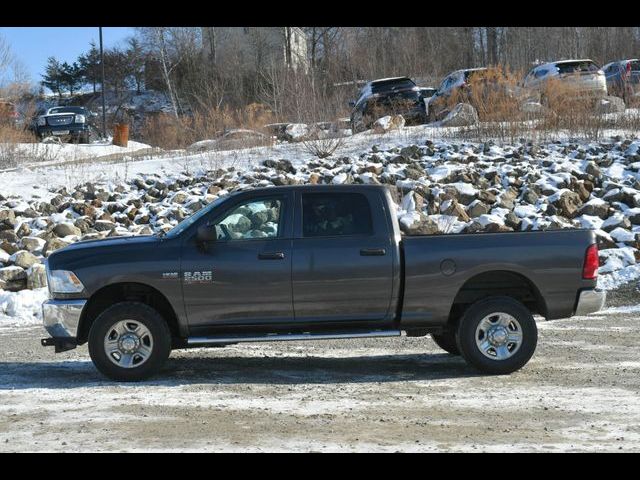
342, 266
244, 276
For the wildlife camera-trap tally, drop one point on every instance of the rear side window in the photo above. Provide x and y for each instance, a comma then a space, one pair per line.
390, 85
635, 66
334, 214
576, 67
541, 72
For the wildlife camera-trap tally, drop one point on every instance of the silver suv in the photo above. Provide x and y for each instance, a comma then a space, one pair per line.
584, 75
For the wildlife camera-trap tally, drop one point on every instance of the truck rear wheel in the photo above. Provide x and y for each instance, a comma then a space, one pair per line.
497, 335
447, 342
129, 341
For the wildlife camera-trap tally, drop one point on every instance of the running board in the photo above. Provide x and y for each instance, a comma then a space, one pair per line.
278, 337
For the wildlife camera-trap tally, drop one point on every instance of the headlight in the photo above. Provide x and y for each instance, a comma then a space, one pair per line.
64, 281
80, 119
41, 121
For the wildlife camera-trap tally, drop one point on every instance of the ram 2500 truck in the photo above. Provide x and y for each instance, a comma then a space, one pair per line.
313, 262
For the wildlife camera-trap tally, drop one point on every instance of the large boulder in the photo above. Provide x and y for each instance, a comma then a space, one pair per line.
610, 104
31, 244
65, 229
8, 217
14, 278
36, 276
23, 259
418, 224
298, 132
568, 203
53, 245
533, 109
462, 115
388, 123
595, 207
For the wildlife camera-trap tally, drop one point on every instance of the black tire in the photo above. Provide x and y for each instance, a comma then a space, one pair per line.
137, 312
468, 329
447, 342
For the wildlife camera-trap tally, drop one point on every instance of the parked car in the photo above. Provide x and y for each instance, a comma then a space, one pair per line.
387, 96
313, 262
623, 79
453, 89
8, 114
583, 77
67, 123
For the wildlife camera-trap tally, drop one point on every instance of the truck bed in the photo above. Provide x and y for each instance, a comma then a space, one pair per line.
438, 266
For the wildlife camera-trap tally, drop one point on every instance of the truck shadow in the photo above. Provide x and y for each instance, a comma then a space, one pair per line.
281, 370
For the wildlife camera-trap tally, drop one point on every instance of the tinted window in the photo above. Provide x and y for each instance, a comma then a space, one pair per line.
387, 85
253, 219
468, 74
330, 214
635, 66
541, 73
576, 67
68, 110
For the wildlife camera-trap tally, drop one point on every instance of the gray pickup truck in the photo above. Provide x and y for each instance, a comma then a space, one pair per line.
313, 262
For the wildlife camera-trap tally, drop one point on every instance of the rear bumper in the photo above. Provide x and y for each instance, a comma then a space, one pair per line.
590, 301
61, 317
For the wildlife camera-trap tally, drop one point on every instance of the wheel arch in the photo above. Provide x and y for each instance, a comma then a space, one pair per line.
501, 282
126, 292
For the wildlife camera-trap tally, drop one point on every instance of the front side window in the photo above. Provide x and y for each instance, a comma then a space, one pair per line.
334, 214
252, 219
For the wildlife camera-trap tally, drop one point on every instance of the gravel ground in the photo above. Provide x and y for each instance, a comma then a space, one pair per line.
580, 392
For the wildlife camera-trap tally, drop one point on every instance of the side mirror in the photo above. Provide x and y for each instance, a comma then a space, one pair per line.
352, 104
206, 234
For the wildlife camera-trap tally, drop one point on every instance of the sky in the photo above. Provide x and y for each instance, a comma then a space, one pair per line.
33, 45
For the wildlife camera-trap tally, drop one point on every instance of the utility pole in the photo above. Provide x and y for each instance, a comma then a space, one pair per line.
104, 107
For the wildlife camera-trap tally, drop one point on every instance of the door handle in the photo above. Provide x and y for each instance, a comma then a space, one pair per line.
271, 256
369, 252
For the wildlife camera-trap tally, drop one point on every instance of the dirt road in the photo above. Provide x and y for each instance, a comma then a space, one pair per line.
580, 392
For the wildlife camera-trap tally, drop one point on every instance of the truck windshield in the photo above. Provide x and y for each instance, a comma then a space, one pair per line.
187, 222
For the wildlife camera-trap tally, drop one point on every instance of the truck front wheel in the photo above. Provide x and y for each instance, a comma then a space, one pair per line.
497, 335
129, 341
447, 342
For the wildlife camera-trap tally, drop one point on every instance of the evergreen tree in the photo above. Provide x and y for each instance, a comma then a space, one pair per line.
90, 65
72, 77
136, 60
53, 76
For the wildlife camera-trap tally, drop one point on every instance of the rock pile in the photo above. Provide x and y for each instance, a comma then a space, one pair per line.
441, 187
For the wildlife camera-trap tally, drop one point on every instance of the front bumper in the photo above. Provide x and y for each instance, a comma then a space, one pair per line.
590, 301
73, 130
61, 317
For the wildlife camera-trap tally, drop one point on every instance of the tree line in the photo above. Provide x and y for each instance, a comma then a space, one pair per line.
171, 59
124, 69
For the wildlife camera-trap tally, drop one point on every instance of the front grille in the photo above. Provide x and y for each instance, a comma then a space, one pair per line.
55, 121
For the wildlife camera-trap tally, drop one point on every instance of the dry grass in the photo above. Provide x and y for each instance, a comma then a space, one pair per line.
499, 101
166, 131
10, 153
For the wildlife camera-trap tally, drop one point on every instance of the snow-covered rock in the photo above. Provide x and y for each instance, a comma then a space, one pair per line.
388, 122
462, 115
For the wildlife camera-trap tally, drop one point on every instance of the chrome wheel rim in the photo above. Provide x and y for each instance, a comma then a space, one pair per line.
498, 336
128, 343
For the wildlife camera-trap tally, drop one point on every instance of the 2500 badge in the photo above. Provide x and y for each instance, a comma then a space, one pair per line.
198, 277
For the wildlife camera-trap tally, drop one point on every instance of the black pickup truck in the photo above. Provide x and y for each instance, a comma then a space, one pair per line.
313, 262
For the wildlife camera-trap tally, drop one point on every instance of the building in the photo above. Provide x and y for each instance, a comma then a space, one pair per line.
256, 48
